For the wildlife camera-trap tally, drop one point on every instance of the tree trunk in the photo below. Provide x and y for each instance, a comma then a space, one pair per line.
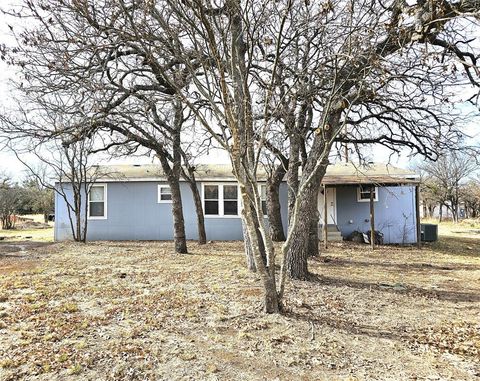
301, 244
313, 235
306, 207
173, 177
274, 206
178, 222
292, 174
248, 248
202, 235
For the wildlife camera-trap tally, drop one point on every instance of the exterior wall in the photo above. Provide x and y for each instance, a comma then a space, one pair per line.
394, 213
133, 213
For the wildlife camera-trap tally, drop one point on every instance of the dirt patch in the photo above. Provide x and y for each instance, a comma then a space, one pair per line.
137, 311
22, 247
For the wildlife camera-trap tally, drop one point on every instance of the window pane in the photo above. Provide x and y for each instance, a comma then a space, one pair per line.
263, 192
264, 207
211, 207
165, 193
211, 192
365, 192
97, 209
96, 193
230, 192
230, 208
165, 190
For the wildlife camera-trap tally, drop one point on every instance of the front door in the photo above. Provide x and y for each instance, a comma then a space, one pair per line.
331, 206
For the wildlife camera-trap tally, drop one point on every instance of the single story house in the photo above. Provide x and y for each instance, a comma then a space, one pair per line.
133, 202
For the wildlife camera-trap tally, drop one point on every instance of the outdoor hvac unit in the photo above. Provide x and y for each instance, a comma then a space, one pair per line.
429, 232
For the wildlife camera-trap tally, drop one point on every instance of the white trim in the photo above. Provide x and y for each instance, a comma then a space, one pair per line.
375, 199
159, 199
221, 200
105, 203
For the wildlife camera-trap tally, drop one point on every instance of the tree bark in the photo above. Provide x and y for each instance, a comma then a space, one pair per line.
248, 248
313, 171
313, 236
173, 178
273, 204
178, 222
292, 174
202, 235
296, 265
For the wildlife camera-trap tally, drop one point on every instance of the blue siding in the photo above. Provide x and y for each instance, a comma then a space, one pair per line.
394, 213
134, 214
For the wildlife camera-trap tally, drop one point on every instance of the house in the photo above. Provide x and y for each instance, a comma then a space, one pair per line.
134, 203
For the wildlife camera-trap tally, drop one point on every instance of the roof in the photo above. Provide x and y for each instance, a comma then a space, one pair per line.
340, 173
372, 173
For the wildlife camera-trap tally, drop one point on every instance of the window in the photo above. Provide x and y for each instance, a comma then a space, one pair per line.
220, 200
363, 193
210, 197
164, 194
230, 200
263, 198
97, 202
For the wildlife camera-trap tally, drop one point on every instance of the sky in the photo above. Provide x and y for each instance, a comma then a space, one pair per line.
10, 165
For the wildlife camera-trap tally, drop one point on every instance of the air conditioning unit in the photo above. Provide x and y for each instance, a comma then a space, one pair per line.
429, 232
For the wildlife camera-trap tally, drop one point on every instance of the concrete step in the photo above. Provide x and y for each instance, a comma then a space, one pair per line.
333, 236
330, 228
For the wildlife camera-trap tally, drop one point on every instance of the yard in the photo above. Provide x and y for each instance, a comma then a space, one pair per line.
135, 311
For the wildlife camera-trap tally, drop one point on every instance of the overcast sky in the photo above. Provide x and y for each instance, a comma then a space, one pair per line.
12, 166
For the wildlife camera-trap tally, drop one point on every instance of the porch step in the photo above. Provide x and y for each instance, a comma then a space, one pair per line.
333, 234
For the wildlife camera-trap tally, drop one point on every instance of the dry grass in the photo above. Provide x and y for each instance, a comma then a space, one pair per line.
135, 311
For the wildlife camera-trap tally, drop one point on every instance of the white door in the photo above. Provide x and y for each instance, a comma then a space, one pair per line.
331, 206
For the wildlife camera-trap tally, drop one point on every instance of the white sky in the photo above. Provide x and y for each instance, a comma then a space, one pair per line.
9, 163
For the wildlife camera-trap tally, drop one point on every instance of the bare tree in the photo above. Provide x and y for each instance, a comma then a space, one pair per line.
234, 64
450, 173
116, 79
40, 197
470, 195
10, 199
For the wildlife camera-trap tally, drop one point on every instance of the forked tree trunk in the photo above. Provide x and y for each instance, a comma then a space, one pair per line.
306, 208
271, 300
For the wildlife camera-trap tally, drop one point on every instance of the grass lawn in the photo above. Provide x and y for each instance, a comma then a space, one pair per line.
136, 311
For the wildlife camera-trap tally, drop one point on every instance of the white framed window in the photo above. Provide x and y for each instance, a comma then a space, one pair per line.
263, 198
363, 193
97, 202
230, 200
164, 194
221, 200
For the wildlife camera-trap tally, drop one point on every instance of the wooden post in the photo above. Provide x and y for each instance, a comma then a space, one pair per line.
325, 217
417, 216
372, 218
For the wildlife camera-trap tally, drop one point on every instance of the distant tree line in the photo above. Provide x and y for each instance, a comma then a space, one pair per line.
450, 183
26, 197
